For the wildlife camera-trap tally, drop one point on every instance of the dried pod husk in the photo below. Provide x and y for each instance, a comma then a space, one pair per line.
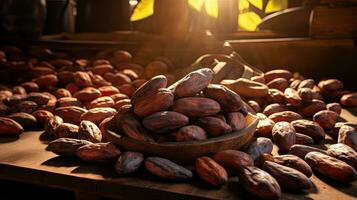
24, 119
344, 153
284, 135
232, 160
229, 100
288, 178
129, 162
165, 121
309, 128
259, 183
196, 106
214, 126
98, 152
331, 167
259, 146
167, 169
89, 131
348, 135
10, 127
190, 133
301, 150
210, 171
66, 146
192, 83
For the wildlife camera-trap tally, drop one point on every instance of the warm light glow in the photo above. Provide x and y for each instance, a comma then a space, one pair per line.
133, 2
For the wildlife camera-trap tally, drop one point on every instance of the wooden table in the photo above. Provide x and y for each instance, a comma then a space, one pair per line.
24, 159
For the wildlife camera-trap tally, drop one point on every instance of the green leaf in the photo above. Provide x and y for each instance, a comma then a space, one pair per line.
212, 8
276, 5
196, 4
143, 10
249, 21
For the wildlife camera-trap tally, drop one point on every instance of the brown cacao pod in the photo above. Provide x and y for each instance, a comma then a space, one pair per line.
301, 150
288, 178
292, 97
210, 171
229, 100
42, 116
331, 167
70, 114
275, 96
259, 146
68, 101
149, 88
167, 169
87, 94
89, 131
307, 83
344, 153
277, 73
279, 84
349, 100
287, 116
97, 115
39, 98
303, 139
335, 107
66, 146
129, 124
259, 183
192, 83
326, 119
284, 135
51, 124
330, 85
274, 108
10, 127
348, 135
159, 101
196, 106
264, 126
309, 128
98, 152
129, 162
214, 126
232, 160
309, 109
24, 119
165, 121
190, 133
82, 79
66, 130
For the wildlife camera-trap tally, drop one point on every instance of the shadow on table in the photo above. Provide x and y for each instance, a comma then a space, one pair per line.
106, 170
347, 188
8, 139
60, 161
45, 138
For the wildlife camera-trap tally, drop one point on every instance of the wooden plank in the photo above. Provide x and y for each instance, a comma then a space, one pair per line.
333, 22
24, 159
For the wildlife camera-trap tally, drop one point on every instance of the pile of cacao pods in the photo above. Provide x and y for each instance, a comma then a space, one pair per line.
73, 99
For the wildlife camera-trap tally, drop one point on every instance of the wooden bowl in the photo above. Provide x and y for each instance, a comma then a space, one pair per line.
187, 152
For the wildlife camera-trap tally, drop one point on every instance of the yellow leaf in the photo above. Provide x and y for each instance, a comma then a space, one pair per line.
276, 5
243, 5
196, 4
212, 8
257, 3
143, 10
248, 21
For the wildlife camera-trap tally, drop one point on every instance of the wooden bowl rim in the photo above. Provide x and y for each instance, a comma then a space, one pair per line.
114, 137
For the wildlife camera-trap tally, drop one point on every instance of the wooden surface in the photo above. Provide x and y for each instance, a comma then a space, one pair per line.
24, 159
333, 22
